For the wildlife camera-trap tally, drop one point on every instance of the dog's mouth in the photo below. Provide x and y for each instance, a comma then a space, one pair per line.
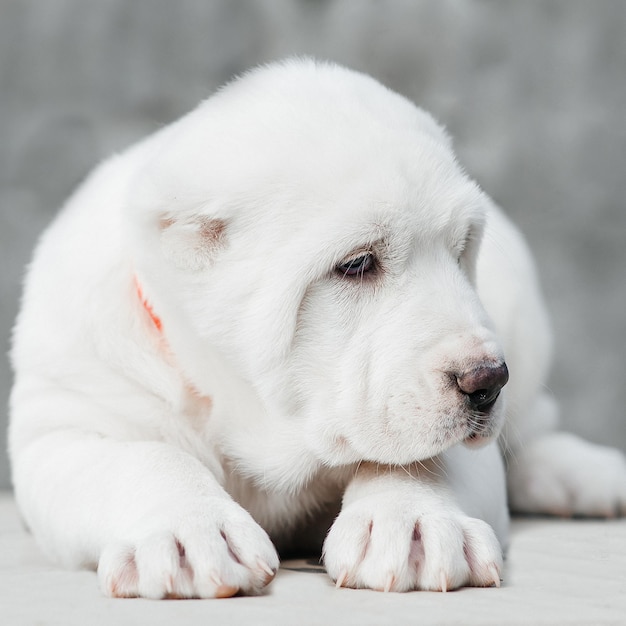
475, 439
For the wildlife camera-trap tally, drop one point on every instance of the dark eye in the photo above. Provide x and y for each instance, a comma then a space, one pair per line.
357, 266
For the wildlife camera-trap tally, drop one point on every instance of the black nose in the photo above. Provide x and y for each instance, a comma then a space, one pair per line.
482, 385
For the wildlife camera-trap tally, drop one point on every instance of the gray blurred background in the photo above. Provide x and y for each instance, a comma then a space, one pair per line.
533, 93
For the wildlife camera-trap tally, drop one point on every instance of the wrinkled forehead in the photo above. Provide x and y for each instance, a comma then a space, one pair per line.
383, 211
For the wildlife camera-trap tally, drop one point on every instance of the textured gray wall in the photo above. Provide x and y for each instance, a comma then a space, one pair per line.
534, 94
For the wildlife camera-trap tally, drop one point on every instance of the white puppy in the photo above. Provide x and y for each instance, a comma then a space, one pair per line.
292, 296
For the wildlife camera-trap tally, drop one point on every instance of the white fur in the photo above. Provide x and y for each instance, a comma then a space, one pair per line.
168, 458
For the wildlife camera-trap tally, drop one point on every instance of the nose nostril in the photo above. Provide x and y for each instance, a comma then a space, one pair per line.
482, 385
483, 398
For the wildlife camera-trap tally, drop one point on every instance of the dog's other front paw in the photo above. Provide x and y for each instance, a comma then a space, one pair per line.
212, 551
561, 474
392, 546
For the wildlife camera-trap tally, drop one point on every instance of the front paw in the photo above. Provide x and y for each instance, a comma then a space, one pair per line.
210, 551
561, 474
392, 546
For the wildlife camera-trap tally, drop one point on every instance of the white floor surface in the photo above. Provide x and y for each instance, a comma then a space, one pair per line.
558, 572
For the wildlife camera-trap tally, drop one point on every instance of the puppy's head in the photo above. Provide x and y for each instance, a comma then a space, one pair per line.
314, 230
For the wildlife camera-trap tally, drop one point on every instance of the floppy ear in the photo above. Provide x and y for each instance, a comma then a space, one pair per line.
191, 243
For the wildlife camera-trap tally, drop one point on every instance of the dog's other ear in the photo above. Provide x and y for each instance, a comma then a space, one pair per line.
191, 243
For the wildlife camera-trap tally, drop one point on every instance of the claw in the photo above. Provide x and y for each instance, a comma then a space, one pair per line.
389, 583
222, 590
495, 575
444, 582
341, 579
264, 567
